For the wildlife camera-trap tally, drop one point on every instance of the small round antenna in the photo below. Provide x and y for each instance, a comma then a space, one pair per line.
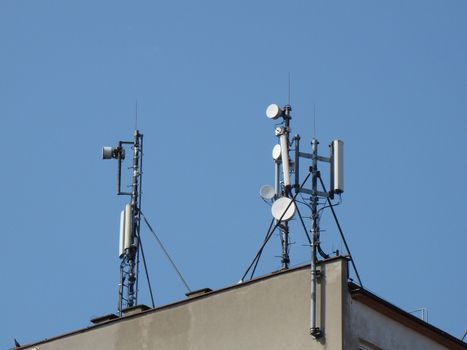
274, 111
276, 152
267, 192
283, 209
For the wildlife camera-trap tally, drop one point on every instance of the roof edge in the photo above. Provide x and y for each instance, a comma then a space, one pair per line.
375, 302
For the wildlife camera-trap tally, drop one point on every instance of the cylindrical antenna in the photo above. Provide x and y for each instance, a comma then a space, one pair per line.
128, 228
337, 166
121, 249
284, 142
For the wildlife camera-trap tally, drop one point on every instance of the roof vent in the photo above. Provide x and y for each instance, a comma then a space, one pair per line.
199, 292
135, 310
105, 318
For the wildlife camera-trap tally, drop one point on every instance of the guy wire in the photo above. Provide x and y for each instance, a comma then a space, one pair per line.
166, 253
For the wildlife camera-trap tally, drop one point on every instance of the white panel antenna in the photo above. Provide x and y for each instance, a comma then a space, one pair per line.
284, 143
337, 166
128, 228
121, 250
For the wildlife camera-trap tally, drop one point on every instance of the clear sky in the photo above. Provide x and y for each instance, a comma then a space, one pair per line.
387, 77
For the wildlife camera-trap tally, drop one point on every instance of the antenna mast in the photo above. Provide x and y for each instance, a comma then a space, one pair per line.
129, 221
284, 203
283, 192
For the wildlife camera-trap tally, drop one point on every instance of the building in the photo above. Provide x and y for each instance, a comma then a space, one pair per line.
270, 312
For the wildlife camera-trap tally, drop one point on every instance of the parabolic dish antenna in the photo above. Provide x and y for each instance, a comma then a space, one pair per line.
282, 205
273, 111
276, 152
267, 192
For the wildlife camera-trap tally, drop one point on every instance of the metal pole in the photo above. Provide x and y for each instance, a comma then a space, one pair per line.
119, 168
133, 250
138, 214
284, 142
314, 329
277, 180
287, 116
285, 260
297, 162
120, 290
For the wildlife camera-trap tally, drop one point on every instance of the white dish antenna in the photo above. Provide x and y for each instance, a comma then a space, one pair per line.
267, 192
276, 152
283, 209
273, 111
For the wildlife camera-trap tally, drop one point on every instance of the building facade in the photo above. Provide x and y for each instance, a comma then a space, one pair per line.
271, 312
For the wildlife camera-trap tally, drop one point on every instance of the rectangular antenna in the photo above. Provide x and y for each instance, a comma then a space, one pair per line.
337, 167
121, 249
285, 158
128, 227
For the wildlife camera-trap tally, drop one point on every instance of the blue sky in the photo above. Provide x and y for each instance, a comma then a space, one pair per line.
387, 77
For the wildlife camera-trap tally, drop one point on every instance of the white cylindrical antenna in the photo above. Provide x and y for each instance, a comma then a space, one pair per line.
337, 166
128, 228
274, 111
285, 157
121, 250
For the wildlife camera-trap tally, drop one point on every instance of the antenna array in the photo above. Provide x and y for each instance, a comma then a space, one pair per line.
283, 194
130, 219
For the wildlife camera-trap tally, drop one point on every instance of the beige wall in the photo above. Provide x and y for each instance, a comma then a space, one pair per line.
368, 326
272, 313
